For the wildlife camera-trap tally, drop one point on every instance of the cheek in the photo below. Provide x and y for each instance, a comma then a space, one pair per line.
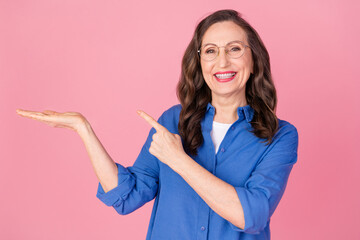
245, 66
206, 68
206, 72
248, 64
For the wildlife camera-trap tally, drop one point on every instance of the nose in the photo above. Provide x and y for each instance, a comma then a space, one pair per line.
223, 58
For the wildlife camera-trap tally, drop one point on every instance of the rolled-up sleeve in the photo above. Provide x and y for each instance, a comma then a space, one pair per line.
263, 190
126, 183
137, 184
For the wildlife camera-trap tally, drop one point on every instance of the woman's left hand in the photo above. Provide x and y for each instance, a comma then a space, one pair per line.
166, 146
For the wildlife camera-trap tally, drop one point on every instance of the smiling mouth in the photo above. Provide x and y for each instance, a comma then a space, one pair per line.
225, 77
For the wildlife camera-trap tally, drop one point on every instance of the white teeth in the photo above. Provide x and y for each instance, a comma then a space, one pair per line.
224, 75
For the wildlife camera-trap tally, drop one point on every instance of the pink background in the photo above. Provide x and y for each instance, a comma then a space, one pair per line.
106, 59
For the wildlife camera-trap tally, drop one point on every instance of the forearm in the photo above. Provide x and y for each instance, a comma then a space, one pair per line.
221, 197
104, 167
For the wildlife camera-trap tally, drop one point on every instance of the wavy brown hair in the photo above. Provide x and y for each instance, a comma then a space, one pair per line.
194, 94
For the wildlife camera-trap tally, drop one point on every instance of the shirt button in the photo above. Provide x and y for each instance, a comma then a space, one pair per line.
203, 228
222, 149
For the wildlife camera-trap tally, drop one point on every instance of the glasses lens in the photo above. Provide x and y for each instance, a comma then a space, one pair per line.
235, 50
209, 52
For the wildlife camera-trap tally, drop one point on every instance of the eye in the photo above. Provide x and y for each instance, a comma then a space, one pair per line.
209, 51
235, 49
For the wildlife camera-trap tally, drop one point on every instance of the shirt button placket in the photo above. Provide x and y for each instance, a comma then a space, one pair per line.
204, 214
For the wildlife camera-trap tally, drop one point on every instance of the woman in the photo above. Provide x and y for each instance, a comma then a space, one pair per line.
217, 164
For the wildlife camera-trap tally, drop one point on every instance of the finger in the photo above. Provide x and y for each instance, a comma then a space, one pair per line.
34, 115
151, 121
25, 113
153, 149
154, 136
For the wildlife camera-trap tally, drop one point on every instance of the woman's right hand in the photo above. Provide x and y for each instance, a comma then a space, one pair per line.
70, 120
104, 167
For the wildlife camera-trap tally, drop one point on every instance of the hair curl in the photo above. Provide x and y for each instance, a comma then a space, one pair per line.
194, 94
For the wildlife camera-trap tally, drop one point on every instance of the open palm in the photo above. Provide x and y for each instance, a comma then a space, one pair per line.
70, 120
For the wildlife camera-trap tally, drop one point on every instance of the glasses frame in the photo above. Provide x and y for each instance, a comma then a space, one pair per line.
226, 52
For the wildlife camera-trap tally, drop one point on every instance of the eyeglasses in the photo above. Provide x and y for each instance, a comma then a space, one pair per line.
233, 49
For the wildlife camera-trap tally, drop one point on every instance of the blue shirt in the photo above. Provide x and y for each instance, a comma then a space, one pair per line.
259, 174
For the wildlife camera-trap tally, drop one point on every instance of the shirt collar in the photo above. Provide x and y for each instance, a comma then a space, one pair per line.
246, 112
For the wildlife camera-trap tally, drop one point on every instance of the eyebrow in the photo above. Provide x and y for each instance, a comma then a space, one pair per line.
225, 44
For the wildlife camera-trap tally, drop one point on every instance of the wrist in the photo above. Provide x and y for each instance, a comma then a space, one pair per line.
182, 164
83, 127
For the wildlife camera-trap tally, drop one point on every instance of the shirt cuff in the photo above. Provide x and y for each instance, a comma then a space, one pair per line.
256, 210
126, 183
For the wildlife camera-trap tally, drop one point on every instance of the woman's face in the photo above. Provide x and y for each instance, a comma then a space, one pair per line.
221, 34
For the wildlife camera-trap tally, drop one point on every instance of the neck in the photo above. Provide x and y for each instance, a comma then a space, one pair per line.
226, 108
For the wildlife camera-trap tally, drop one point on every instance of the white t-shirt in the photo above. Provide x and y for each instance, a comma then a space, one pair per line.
218, 133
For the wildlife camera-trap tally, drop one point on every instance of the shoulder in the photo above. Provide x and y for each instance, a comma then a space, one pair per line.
173, 111
286, 138
286, 129
170, 118
284, 146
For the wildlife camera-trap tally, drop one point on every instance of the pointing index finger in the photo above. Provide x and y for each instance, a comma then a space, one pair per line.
151, 121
